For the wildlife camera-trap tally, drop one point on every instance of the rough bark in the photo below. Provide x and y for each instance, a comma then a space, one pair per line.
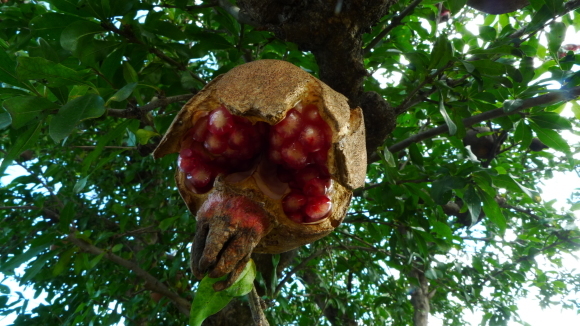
420, 299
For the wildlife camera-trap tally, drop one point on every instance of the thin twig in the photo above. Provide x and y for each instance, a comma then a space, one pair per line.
396, 21
235, 12
151, 283
136, 113
546, 99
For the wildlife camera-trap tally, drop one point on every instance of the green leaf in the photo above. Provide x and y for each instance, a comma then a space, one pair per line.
441, 189
80, 185
143, 135
551, 120
473, 202
24, 109
511, 105
576, 109
25, 140
493, 211
442, 53
122, 94
71, 35
523, 134
556, 37
208, 302
20, 259
49, 72
8, 70
487, 33
84, 107
450, 124
550, 138
50, 25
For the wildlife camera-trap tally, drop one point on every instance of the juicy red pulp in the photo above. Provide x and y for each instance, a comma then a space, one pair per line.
297, 147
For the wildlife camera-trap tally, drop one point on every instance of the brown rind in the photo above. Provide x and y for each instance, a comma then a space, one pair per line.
264, 91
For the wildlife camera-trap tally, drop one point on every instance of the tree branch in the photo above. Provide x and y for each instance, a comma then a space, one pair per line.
135, 113
396, 21
234, 11
151, 283
550, 98
256, 308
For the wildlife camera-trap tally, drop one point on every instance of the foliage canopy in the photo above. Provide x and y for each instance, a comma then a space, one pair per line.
93, 222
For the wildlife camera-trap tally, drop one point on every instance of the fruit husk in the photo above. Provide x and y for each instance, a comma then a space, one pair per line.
264, 91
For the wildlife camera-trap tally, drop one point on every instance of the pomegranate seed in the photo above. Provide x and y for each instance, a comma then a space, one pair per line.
201, 176
302, 176
200, 129
186, 164
276, 140
312, 138
316, 187
294, 155
311, 114
240, 138
275, 156
221, 121
186, 153
189, 182
297, 217
200, 152
318, 157
216, 144
317, 208
293, 202
290, 126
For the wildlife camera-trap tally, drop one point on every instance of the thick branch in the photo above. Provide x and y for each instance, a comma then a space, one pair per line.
151, 283
256, 308
550, 98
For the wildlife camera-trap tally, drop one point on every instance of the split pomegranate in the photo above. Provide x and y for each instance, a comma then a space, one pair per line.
268, 159
219, 142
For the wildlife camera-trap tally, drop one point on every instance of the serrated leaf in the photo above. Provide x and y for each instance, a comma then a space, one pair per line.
68, 117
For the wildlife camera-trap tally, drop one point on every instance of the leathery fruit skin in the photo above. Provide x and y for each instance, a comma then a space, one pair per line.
240, 210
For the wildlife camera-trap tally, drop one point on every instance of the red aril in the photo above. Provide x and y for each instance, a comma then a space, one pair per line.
221, 121
316, 187
294, 155
216, 144
312, 138
317, 208
200, 129
293, 202
290, 126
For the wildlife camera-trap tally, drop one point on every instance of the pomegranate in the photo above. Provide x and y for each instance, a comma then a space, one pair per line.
268, 158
